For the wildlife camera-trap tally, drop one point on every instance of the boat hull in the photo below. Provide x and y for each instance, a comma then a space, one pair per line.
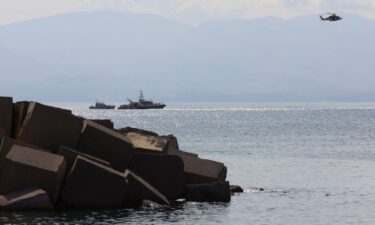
108, 107
142, 107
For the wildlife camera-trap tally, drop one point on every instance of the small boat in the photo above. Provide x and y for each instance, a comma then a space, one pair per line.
142, 104
101, 105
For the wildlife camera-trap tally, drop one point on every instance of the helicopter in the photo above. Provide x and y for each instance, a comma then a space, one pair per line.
331, 17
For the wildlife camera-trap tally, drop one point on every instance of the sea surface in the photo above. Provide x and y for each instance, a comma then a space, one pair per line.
316, 163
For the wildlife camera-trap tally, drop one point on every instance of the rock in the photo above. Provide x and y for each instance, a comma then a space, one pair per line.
150, 204
49, 127
164, 172
211, 192
140, 190
25, 167
7, 144
6, 114
126, 130
235, 189
105, 144
71, 155
93, 185
19, 115
28, 199
105, 123
203, 170
148, 143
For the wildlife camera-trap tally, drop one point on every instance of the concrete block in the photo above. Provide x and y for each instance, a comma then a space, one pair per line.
203, 170
105, 144
136, 130
6, 114
172, 143
6, 145
93, 185
26, 167
28, 199
19, 115
139, 189
211, 192
182, 153
105, 123
164, 172
174, 149
71, 155
148, 143
49, 127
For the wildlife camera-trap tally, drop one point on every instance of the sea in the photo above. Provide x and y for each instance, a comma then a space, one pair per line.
315, 162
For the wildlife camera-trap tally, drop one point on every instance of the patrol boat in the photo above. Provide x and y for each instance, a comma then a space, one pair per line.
142, 104
101, 105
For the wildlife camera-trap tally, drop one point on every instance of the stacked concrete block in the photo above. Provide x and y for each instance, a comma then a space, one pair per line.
27, 199
49, 127
210, 192
19, 115
93, 185
139, 189
61, 160
105, 123
25, 167
174, 149
164, 172
6, 114
203, 170
20, 112
105, 144
71, 155
6, 145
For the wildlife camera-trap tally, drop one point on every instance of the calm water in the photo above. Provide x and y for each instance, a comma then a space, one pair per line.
316, 163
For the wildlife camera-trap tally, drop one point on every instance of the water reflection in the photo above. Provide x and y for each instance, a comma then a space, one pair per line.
188, 213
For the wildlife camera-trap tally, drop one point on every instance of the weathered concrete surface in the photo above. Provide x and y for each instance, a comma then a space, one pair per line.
7, 144
203, 170
126, 130
211, 192
25, 167
49, 127
164, 172
148, 143
28, 199
106, 144
6, 114
139, 189
19, 115
105, 123
71, 155
93, 185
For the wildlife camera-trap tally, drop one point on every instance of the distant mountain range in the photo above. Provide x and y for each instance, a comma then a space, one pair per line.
112, 55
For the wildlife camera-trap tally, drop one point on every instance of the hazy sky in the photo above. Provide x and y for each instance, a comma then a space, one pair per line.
188, 11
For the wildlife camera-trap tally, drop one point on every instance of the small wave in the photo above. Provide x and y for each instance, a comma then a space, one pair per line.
253, 189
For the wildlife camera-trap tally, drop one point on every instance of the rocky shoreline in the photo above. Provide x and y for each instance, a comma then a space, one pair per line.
52, 159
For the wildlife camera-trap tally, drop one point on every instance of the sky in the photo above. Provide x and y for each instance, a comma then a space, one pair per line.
186, 11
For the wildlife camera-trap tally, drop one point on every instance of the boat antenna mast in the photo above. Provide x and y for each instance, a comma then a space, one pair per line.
141, 97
